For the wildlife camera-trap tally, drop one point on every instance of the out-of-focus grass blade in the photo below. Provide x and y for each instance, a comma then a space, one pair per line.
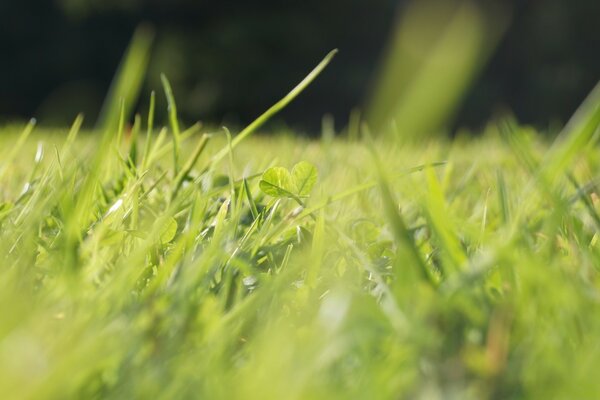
172, 120
517, 139
149, 129
354, 125
576, 136
133, 147
17, 147
407, 252
72, 135
503, 198
231, 171
434, 54
317, 251
586, 200
363, 187
121, 125
438, 215
128, 80
124, 92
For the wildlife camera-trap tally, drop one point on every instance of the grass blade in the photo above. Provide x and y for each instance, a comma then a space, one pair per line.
183, 174
173, 121
280, 105
127, 82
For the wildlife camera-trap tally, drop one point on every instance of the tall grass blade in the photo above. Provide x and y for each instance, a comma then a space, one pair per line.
149, 129
280, 105
183, 174
575, 137
127, 82
173, 121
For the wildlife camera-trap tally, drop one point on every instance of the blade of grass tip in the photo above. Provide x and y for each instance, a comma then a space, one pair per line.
191, 131
190, 164
519, 143
149, 129
72, 135
514, 137
575, 136
231, 170
354, 125
172, 108
230, 154
39, 155
239, 204
281, 104
126, 85
407, 248
17, 147
128, 80
156, 146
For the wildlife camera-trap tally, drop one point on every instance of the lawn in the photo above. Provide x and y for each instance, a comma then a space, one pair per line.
150, 262
447, 269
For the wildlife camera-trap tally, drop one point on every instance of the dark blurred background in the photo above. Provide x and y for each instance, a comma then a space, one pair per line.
230, 60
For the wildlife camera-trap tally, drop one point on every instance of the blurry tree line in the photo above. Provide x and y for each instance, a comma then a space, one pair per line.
229, 60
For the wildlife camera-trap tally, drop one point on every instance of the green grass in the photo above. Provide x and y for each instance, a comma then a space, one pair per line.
182, 263
475, 276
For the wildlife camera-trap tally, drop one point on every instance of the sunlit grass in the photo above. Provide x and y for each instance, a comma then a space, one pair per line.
187, 263
472, 275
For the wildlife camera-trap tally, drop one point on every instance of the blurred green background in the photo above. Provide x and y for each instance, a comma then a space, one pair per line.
230, 60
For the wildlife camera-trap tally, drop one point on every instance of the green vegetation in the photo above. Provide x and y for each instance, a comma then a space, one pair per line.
465, 269
210, 266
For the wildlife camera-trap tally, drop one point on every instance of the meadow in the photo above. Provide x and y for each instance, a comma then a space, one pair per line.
163, 262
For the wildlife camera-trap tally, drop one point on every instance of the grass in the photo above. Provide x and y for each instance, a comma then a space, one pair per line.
191, 265
475, 278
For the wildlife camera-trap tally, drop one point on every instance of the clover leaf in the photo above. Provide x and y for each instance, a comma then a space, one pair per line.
280, 183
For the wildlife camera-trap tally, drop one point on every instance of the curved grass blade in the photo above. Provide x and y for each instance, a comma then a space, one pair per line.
190, 164
281, 104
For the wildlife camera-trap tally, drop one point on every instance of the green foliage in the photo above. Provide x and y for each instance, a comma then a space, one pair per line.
279, 182
413, 272
304, 177
126, 86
